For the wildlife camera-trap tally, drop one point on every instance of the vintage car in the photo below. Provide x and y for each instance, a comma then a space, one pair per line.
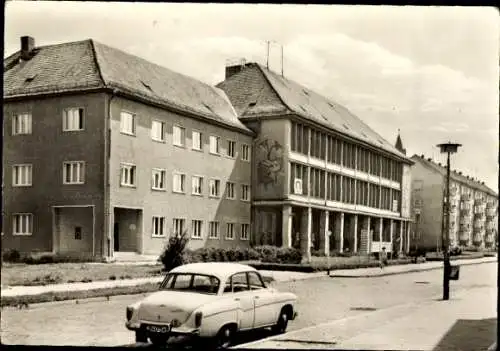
210, 301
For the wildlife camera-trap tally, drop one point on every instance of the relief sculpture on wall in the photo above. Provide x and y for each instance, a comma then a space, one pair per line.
269, 161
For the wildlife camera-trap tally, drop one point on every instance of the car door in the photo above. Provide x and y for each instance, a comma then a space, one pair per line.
237, 288
266, 306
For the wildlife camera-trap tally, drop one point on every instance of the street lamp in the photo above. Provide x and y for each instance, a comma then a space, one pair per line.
448, 148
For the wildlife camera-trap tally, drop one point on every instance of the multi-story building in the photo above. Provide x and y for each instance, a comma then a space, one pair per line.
105, 152
473, 207
322, 179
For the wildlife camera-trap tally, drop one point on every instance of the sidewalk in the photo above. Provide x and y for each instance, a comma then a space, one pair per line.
407, 268
467, 321
278, 276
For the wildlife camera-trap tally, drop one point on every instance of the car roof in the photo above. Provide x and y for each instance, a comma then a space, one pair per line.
221, 270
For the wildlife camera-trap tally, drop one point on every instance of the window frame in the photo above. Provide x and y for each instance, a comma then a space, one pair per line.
243, 193
231, 225
28, 126
216, 181
14, 172
183, 225
130, 167
201, 178
163, 131
192, 140
245, 156
134, 123
182, 136
247, 226
229, 143
218, 151
193, 227
82, 165
65, 121
163, 227
183, 182
14, 225
163, 173
217, 226
228, 186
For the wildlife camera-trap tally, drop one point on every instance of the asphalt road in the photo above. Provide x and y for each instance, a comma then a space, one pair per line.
101, 323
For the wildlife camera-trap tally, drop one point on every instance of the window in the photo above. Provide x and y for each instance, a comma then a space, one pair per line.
158, 131
197, 185
214, 187
230, 190
245, 192
159, 179
197, 283
245, 230
158, 229
255, 281
179, 136
127, 175
245, 152
213, 230
127, 123
196, 229
197, 141
179, 183
73, 119
230, 231
231, 148
178, 226
21, 124
22, 224
237, 283
21, 175
214, 145
74, 172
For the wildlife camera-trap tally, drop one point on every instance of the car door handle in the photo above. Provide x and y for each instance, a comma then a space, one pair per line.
237, 299
256, 297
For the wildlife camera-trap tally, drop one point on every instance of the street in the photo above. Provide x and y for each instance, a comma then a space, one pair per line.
101, 323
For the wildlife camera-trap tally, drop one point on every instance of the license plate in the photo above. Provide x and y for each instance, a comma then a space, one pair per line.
158, 329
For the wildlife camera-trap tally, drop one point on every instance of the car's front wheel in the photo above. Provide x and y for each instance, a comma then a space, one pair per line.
282, 323
140, 336
224, 337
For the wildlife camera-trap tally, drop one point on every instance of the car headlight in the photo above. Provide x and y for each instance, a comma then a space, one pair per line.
176, 323
197, 319
130, 312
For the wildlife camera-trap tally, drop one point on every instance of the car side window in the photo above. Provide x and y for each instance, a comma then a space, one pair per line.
236, 283
255, 281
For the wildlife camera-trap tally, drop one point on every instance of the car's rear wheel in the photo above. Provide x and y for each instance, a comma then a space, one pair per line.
224, 337
140, 336
282, 323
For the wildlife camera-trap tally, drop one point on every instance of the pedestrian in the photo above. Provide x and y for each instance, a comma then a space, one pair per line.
383, 258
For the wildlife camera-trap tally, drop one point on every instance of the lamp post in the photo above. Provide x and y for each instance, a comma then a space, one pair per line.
448, 148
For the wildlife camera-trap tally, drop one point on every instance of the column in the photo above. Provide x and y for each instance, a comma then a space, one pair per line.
286, 228
324, 240
364, 245
110, 238
355, 233
369, 235
341, 231
401, 236
391, 233
380, 232
305, 233
407, 236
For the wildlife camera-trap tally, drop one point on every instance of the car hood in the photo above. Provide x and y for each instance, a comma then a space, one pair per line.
165, 306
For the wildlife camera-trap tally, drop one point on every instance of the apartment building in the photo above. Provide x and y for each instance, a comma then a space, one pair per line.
105, 152
473, 207
322, 179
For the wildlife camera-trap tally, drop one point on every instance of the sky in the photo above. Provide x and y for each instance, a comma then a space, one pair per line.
432, 72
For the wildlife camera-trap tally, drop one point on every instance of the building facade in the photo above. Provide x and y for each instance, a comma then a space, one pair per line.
473, 207
322, 179
105, 152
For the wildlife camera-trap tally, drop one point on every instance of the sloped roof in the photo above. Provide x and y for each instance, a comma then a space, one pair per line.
453, 175
256, 91
89, 64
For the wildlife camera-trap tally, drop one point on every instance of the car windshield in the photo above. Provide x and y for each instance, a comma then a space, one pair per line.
191, 282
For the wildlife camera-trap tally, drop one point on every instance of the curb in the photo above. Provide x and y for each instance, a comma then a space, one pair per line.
414, 270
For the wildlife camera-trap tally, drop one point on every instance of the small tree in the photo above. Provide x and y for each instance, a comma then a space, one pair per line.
173, 254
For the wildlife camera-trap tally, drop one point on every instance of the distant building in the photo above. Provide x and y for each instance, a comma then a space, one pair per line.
105, 152
318, 168
474, 207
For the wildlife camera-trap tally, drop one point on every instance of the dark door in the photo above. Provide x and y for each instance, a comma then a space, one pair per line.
116, 238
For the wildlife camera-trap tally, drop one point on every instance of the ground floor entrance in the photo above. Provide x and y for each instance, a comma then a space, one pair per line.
322, 232
74, 230
127, 230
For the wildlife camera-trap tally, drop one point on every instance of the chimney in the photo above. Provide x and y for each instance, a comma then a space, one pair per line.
27, 46
235, 66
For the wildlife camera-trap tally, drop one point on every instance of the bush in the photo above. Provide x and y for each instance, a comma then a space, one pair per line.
267, 253
173, 255
318, 253
11, 255
289, 255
